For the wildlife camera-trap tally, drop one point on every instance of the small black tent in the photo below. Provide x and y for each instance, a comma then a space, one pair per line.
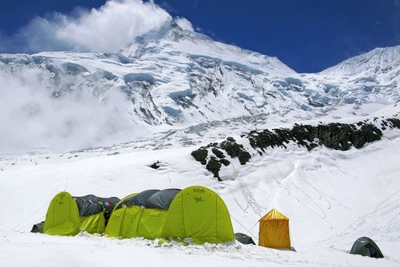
366, 247
244, 239
38, 228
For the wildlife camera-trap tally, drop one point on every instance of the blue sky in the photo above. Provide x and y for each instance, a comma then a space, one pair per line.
306, 35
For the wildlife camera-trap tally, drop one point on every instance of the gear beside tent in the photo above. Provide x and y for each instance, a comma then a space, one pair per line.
365, 246
244, 239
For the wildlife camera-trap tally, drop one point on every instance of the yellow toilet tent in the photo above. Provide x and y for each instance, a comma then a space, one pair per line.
274, 230
195, 214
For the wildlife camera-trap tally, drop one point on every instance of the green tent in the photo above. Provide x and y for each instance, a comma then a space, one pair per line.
62, 216
366, 247
68, 215
195, 214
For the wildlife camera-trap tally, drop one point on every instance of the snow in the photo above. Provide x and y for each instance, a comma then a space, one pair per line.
65, 125
173, 78
331, 198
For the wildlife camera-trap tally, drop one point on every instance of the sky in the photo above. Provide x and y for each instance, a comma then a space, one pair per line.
331, 198
306, 35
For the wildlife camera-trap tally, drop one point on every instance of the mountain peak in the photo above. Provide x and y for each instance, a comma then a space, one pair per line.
378, 60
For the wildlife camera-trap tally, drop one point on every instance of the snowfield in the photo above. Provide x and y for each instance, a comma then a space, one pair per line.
94, 123
331, 198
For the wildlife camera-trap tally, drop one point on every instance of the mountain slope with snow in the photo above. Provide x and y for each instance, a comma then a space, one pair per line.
331, 198
169, 79
94, 124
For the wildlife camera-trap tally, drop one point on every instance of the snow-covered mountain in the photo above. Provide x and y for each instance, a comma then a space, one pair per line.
171, 78
96, 123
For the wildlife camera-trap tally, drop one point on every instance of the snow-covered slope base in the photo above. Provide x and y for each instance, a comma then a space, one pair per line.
331, 198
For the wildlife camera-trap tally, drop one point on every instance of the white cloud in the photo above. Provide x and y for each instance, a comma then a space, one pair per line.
184, 24
31, 118
106, 29
113, 25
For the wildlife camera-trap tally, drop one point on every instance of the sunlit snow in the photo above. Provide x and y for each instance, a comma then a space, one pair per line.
331, 198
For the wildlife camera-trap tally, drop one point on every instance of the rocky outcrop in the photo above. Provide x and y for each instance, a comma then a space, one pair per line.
338, 136
218, 154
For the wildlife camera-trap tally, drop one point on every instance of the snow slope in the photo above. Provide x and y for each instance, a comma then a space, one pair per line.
94, 123
169, 79
331, 198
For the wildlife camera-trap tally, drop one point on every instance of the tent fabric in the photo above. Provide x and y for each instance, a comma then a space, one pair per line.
114, 228
196, 214
199, 215
91, 204
37, 228
88, 205
244, 239
125, 201
93, 224
142, 197
162, 199
274, 230
365, 246
68, 215
137, 199
62, 216
94, 212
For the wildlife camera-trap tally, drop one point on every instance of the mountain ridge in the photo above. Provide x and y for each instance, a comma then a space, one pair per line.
170, 78
378, 60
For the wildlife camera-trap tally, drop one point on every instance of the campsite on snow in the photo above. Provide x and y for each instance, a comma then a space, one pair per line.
181, 150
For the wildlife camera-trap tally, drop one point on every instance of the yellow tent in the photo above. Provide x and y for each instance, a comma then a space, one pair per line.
274, 230
68, 215
195, 215
62, 216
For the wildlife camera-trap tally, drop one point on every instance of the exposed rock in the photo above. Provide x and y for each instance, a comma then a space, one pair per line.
200, 155
214, 166
218, 153
338, 136
243, 157
235, 150
155, 165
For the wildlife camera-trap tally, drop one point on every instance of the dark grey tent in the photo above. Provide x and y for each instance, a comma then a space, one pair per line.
162, 199
38, 228
244, 239
138, 199
366, 247
91, 204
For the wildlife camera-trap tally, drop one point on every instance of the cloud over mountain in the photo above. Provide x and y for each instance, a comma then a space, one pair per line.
105, 29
